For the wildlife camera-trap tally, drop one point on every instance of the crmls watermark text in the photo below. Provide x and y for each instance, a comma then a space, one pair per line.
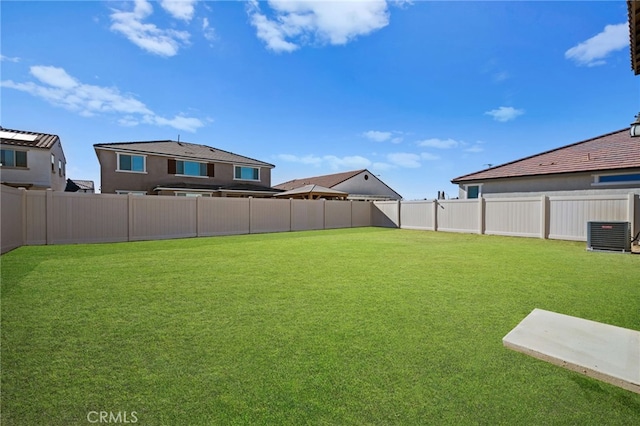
111, 417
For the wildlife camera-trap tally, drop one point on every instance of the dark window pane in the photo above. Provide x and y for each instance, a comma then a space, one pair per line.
7, 158
21, 159
620, 178
125, 162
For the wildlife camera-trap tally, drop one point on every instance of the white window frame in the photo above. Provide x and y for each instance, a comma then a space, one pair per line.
191, 194
466, 190
144, 163
596, 179
246, 167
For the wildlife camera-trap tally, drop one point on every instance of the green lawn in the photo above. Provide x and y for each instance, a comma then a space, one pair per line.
357, 326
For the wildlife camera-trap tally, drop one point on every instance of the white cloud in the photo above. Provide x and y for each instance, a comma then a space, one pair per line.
209, 33
377, 136
162, 42
9, 59
429, 157
59, 88
504, 114
501, 76
179, 9
475, 148
296, 23
331, 161
405, 159
593, 51
439, 143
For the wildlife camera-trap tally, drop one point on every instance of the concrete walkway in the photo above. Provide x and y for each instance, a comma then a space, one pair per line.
602, 351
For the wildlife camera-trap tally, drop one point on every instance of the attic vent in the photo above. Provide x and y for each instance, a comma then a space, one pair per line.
610, 236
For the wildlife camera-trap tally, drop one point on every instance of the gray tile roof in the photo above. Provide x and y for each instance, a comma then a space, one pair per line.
328, 181
182, 150
613, 151
40, 140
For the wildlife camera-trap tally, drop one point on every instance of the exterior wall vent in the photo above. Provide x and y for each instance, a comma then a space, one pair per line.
609, 236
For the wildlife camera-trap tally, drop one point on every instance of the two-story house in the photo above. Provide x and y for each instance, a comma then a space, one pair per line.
32, 160
180, 168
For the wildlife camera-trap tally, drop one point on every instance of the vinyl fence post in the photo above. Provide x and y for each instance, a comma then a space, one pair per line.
351, 209
250, 212
48, 205
198, 216
399, 220
23, 199
130, 216
544, 217
481, 215
435, 215
631, 213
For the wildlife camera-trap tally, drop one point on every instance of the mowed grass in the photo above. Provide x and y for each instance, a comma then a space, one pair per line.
357, 326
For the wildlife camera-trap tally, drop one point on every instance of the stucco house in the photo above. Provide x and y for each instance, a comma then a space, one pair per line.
610, 163
32, 160
359, 184
182, 169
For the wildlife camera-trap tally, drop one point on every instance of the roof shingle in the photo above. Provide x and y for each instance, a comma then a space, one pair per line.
613, 151
328, 181
182, 150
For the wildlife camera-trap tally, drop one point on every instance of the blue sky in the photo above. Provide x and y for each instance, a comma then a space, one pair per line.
417, 92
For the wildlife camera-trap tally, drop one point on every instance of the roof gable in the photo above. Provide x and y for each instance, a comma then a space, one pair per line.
27, 139
328, 181
182, 150
612, 151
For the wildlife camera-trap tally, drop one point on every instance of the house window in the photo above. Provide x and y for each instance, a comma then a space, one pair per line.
473, 191
53, 163
618, 179
60, 173
125, 192
131, 163
192, 194
247, 173
13, 158
191, 168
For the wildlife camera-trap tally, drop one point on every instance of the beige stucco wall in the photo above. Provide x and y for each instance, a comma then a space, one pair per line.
156, 174
38, 172
579, 183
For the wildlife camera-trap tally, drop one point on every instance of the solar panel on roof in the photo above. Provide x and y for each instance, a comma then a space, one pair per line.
17, 136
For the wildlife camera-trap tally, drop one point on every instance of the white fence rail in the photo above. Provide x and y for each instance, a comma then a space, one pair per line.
555, 217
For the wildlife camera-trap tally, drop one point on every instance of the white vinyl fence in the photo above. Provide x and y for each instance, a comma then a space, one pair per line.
553, 217
50, 217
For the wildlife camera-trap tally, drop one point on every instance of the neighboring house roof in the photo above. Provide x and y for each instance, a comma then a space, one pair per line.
633, 9
78, 185
327, 181
182, 150
27, 139
613, 151
312, 190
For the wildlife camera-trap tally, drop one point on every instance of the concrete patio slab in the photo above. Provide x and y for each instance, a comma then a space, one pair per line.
601, 351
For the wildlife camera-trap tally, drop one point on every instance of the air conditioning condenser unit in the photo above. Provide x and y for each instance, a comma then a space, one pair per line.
609, 236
